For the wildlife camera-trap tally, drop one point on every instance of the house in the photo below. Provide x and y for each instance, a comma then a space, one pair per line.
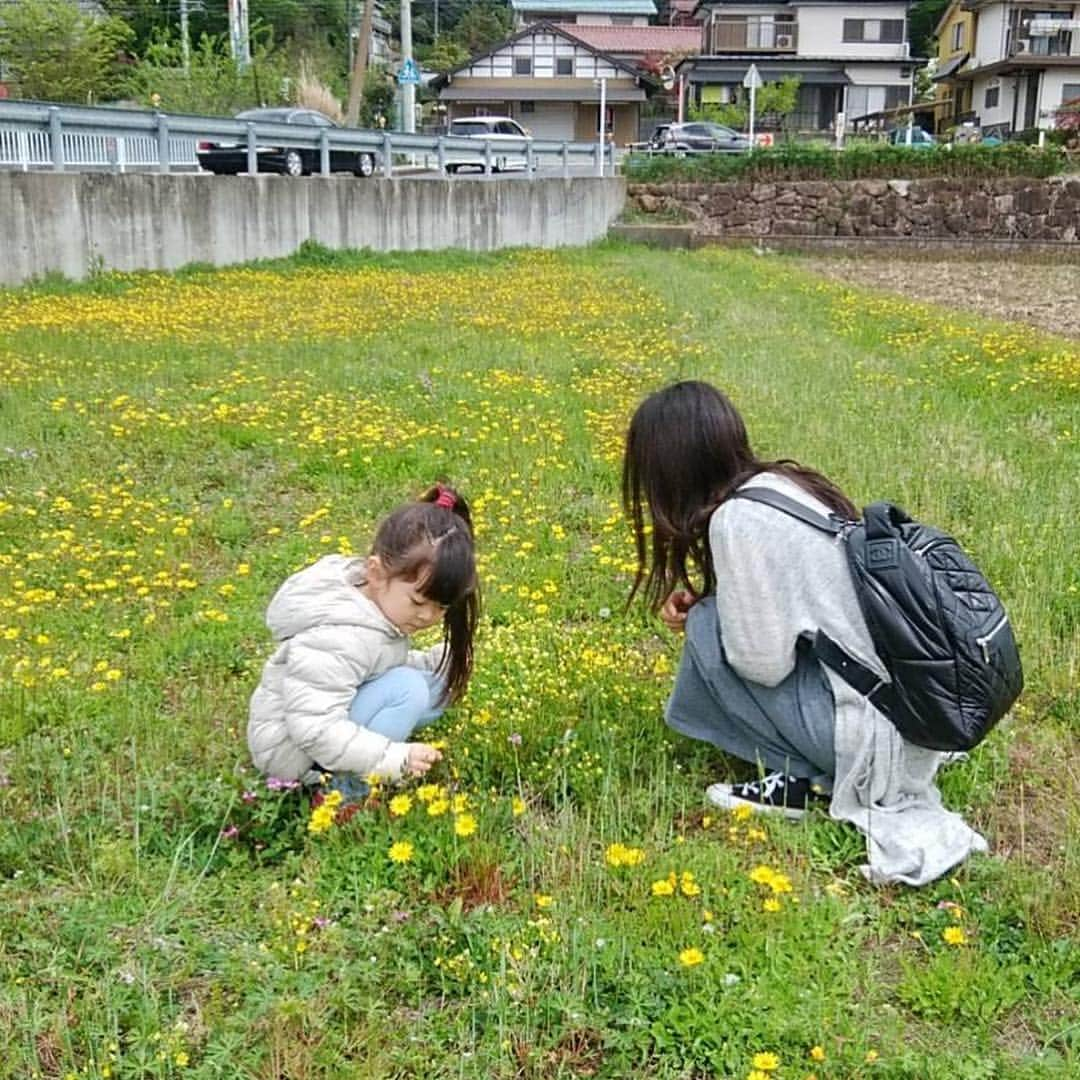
645, 47
850, 58
548, 80
593, 12
1024, 64
955, 34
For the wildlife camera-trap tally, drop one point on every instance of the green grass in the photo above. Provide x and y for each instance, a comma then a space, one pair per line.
173, 446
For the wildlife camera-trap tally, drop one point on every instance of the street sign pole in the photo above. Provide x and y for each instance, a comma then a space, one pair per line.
408, 89
752, 80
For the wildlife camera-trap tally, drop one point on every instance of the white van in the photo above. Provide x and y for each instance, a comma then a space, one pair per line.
507, 137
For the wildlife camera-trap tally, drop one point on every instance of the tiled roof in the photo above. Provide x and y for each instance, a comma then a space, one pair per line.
637, 39
587, 7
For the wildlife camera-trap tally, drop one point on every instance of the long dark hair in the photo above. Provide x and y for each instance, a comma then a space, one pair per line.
430, 541
686, 452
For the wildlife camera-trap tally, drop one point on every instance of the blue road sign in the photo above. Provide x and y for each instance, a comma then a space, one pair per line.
408, 73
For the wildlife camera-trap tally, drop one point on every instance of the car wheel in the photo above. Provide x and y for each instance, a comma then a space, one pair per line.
294, 163
365, 165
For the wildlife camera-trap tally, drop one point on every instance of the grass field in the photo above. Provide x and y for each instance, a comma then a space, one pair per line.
558, 901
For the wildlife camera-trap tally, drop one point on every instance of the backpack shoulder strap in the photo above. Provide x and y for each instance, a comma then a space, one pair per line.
792, 507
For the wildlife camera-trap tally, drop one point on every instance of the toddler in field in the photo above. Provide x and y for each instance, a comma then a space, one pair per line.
343, 691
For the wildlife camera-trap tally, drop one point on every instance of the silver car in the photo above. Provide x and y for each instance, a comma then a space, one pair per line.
508, 143
699, 135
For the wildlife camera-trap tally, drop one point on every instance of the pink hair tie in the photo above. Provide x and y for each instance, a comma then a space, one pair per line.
446, 499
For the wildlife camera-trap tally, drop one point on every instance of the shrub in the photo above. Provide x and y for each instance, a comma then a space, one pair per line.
796, 162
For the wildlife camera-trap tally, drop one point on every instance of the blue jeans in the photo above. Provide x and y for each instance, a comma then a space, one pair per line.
393, 704
788, 727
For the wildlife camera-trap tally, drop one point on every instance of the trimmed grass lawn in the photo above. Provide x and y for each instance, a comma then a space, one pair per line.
563, 902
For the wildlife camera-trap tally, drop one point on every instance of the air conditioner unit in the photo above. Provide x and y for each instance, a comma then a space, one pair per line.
784, 41
1022, 45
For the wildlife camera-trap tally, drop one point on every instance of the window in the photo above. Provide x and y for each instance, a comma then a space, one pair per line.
958, 37
522, 65
1070, 92
993, 95
896, 96
528, 106
622, 20
564, 65
875, 31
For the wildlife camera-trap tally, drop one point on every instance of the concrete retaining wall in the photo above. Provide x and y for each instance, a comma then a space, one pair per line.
73, 222
999, 209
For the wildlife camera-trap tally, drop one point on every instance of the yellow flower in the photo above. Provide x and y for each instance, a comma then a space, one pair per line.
401, 852
691, 957
181, 1058
517, 806
770, 904
688, 885
437, 807
464, 825
663, 887
757, 1074
871, 1057
400, 805
426, 792
817, 1053
621, 855
460, 804
954, 935
766, 1061
322, 818
543, 902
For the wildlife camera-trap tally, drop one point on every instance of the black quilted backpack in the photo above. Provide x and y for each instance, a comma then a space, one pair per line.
937, 626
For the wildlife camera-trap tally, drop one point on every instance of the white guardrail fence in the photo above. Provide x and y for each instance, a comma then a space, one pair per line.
39, 135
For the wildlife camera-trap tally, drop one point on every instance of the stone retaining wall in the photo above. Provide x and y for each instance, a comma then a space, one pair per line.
968, 209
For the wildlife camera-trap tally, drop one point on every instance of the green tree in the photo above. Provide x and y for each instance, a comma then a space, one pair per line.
483, 25
378, 99
773, 103
55, 52
922, 18
213, 85
445, 55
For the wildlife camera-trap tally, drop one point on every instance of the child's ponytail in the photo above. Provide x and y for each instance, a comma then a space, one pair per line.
453, 551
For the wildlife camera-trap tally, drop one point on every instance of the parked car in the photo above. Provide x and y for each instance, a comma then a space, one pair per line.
700, 135
921, 139
508, 143
230, 157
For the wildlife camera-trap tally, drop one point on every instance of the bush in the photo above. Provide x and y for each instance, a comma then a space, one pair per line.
796, 162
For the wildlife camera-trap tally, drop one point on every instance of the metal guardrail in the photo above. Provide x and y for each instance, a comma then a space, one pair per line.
40, 135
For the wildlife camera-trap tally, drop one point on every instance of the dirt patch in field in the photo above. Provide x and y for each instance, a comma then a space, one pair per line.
1041, 294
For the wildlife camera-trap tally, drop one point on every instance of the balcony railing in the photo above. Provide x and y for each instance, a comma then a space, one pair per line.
751, 33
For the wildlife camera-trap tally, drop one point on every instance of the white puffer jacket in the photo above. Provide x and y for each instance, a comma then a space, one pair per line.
333, 639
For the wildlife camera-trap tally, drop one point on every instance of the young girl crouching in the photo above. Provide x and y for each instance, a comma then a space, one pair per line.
343, 691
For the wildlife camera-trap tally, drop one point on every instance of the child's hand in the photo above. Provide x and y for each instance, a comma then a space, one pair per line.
673, 613
420, 758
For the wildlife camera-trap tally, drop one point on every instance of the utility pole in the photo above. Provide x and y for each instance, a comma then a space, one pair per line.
185, 37
359, 67
239, 34
408, 90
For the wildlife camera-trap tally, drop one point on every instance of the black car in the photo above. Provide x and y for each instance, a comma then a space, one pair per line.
701, 135
231, 157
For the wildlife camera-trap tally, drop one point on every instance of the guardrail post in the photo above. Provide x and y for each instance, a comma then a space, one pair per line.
162, 142
598, 158
565, 161
56, 139
121, 154
440, 146
252, 157
487, 157
530, 159
22, 139
324, 153
387, 156
611, 156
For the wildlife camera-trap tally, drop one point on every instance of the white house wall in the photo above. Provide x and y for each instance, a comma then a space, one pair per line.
1003, 112
607, 20
989, 36
878, 74
821, 31
1053, 88
542, 49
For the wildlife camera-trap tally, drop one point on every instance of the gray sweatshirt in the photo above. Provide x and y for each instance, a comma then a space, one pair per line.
778, 578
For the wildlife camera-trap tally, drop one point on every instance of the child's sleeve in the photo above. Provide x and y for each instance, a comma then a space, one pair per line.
323, 670
427, 659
